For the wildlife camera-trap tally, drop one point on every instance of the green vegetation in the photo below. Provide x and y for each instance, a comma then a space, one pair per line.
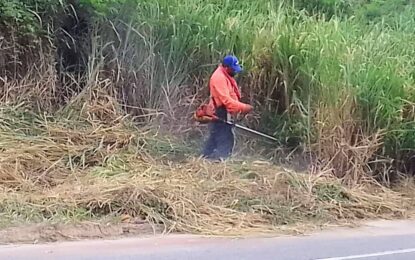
310, 71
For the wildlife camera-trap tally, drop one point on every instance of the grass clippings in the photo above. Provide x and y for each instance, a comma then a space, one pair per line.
59, 172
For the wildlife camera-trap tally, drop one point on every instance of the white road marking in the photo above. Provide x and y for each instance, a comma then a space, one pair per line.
395, 252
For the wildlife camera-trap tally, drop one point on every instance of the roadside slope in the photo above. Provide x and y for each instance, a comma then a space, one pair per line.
74, 169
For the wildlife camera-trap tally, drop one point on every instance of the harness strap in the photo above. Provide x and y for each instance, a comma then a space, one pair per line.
214, 102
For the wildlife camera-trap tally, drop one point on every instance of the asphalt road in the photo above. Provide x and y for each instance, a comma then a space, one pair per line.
378, 240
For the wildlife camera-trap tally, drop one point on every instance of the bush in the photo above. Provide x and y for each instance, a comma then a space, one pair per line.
378, 10
28, 15
329, 8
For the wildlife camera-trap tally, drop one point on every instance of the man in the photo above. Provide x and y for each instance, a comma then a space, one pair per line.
225, 96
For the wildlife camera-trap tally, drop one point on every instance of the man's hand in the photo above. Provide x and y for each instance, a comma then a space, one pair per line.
242, 114
248, 109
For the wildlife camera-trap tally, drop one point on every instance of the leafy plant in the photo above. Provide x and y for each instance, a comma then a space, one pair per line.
27, 15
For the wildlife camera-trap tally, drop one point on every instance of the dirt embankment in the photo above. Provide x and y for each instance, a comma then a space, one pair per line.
42, 233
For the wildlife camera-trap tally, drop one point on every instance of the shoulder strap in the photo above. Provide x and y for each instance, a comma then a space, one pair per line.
214, 102
211, 97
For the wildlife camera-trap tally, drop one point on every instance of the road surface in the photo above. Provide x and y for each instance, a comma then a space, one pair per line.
378, 240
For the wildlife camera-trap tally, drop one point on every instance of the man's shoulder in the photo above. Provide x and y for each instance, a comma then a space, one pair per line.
218, 76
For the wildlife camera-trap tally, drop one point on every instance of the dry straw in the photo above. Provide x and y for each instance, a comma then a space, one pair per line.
51, 166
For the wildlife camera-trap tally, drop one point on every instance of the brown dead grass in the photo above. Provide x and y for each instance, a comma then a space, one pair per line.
344, 148
71, 169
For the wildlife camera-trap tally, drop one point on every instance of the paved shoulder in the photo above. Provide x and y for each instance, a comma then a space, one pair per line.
378, 240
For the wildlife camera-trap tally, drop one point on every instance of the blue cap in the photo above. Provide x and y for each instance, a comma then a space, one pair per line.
232, 62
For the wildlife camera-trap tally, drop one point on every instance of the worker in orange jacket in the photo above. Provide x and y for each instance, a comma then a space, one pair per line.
225, 96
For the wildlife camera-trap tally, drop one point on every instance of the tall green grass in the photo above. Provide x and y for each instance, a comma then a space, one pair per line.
306, 75
299, 68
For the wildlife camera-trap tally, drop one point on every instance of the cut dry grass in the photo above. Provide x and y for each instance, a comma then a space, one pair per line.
73, 170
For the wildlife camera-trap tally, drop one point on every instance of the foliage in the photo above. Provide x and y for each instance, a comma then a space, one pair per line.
378, 10
28, 15
300, 66
297, 65
329, 8
103, 7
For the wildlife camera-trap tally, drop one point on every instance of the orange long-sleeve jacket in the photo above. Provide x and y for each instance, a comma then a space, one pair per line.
225, 92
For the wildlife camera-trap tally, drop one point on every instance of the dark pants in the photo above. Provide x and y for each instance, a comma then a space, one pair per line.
220, 143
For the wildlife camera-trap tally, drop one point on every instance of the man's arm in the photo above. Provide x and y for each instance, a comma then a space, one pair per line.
222, 93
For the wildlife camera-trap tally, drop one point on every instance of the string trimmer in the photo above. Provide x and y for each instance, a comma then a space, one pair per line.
206, 119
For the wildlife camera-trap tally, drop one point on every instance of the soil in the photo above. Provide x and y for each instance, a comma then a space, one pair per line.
44, 233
